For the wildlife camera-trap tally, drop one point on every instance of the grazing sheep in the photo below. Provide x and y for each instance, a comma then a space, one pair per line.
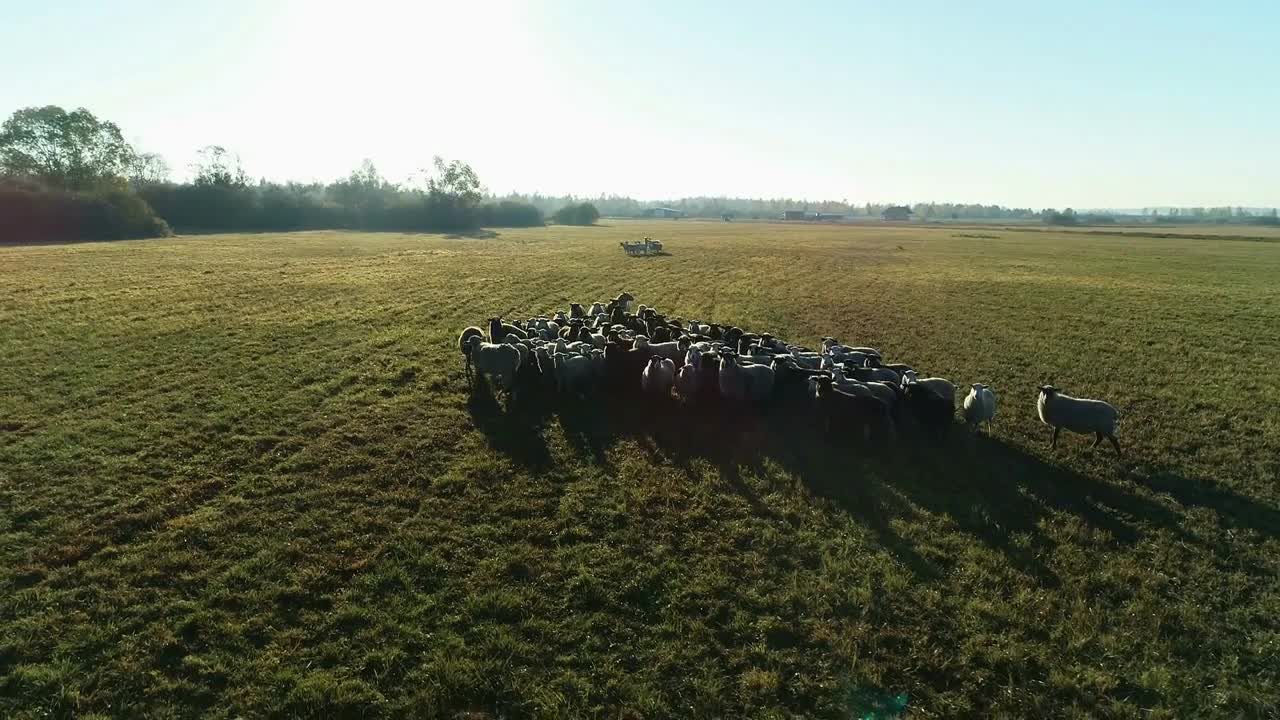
576, 312
732, 381
657, 377
979, 406
499, 361
1079, 415
865, 416
464, 344
597, 308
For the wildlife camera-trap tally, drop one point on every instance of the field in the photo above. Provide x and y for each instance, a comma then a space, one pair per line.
242, 476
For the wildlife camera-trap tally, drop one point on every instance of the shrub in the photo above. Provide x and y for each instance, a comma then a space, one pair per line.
510, 214
579, 214
35, 213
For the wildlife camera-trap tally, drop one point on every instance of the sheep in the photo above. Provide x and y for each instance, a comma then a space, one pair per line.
943, 387
759, 382
499, 361
877, 374
1059, 410
464, 344
673, 350
574, 373
546, 366
865, 415
686, 382
597, 308
657, 376
930, 409
979, 406
621, 304
623, 365
499, 330
732, 382
886, 393
709, 377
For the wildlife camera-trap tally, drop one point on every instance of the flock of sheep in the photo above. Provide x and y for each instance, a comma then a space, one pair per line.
851, 390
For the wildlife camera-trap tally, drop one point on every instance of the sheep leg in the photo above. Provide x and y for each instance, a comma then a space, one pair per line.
1114, 443
1054, 442
1097, 440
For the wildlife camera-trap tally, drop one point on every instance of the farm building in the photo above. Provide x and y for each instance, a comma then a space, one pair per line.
793, 215
896, 212
828, 217
663, 212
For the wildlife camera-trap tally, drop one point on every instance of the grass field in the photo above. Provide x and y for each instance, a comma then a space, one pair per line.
241, 476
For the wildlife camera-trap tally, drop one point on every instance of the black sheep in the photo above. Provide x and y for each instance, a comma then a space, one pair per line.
863, 416
930, 409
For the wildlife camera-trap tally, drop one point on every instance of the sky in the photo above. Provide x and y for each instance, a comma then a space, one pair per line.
1083, 104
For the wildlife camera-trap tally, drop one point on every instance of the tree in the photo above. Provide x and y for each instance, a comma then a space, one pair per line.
364, 190
69, 150
218, 167
455, 181
453, 195
579, 214
148, 169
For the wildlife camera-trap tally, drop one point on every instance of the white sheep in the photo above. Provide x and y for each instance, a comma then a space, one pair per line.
657, 376
1079, 415
464, 344
979, 405
669, 350
597, 308
499, 361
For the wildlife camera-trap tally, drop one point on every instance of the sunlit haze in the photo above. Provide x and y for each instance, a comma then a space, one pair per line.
1091, 104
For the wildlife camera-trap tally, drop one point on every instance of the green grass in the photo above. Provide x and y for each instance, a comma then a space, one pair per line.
241, 476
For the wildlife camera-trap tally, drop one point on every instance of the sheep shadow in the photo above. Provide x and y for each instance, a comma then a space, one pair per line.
999, 494
513, 426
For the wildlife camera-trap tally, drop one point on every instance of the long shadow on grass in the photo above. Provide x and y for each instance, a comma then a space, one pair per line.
994, 492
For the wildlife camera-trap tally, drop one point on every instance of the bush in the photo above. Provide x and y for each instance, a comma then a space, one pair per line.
34, 213
1066, 217
580, 214
510, 214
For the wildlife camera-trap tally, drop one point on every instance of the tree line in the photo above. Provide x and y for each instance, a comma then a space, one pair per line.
71, 176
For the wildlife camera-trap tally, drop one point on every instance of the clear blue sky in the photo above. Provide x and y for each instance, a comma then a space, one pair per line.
1081, 104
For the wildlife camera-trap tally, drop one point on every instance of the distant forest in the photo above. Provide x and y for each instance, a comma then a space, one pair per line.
71, 176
